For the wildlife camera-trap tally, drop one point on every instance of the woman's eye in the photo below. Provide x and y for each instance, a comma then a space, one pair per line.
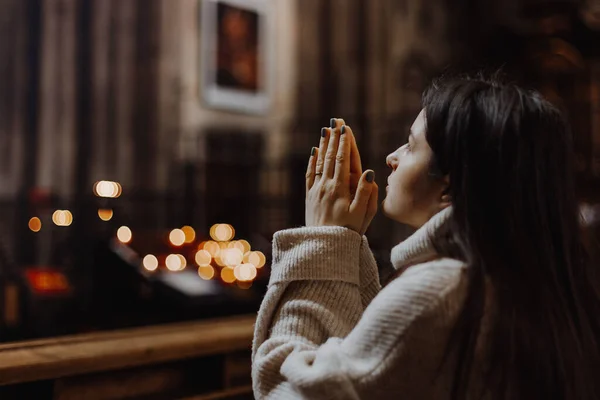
407, 146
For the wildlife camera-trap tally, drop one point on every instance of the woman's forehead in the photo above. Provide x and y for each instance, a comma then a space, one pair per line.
417, 130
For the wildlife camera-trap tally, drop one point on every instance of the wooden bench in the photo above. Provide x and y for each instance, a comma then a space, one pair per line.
194, 360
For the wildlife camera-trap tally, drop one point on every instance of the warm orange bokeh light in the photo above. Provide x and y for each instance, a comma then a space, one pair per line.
105, 214
48, 281
108, 189
183, 261
263, 259
35, 224
203, 258
255, 258
219, 261
150, 262
212, 247
237, 244
206, 272
124, 234
245, 246
190, 233
175, 262
62, 217
227, 275
177, 237
245, 272
58, 217
232, 257
222, 232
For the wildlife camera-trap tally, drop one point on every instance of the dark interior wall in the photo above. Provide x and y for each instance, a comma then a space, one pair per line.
97, 115
390, 49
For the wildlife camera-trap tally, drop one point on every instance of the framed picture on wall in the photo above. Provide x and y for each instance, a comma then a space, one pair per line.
236, 54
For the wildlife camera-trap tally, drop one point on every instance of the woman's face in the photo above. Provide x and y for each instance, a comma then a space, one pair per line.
413, 196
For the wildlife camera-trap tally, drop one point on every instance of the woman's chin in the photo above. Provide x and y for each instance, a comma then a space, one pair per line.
390, 212
386, 209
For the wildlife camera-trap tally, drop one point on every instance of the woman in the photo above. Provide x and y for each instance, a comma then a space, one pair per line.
493, 298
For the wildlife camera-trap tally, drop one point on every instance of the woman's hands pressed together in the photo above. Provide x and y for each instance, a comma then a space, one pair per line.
338, 193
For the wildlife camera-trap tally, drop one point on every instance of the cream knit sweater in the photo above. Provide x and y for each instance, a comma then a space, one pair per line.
327, 330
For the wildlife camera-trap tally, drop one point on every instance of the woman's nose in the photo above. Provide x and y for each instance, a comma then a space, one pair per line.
392, 160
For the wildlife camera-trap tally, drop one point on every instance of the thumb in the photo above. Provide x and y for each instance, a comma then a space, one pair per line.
363, 192
371, 208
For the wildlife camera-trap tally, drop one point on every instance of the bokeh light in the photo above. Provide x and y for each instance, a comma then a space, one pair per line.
150, 262
206, 272
220, 261
108, 189
255, 258
227, 275
203, 258
245, 272
174, 262
222, 232
190, 233
232, 257
237, 244
183, 261
212, 247
177, 237
35, 224
105, 214
245, 246
124, 234
62, 217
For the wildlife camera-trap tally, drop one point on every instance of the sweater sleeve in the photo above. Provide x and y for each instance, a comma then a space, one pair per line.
368, 273
313, 338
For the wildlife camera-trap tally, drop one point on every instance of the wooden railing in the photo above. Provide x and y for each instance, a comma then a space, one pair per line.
195, 360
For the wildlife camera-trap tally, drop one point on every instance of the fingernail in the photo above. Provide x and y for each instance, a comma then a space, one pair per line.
332, 123
370, 176
313, 151
343, 129
323, 132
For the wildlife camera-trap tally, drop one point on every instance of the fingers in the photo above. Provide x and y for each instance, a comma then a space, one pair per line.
332, 148
323, 144
355, 163
342, 159
371, 208
337, 123
311, 169
363, 192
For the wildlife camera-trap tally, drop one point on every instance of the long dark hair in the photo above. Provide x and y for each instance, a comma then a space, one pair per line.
508, 155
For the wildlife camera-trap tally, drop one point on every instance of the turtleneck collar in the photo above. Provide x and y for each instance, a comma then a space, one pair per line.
419, 246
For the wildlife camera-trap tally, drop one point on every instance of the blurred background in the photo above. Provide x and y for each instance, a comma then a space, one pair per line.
151, 148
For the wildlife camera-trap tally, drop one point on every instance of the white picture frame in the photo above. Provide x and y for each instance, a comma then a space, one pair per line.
232, 79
